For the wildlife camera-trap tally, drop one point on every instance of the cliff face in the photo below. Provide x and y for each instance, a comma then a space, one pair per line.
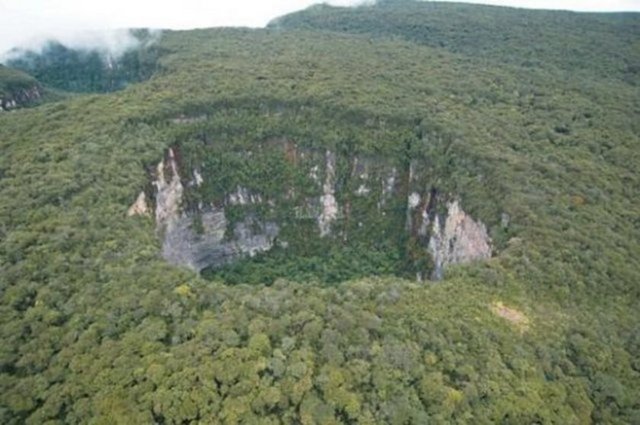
203, 238
329, 206
361, 203
457, 238
20, 97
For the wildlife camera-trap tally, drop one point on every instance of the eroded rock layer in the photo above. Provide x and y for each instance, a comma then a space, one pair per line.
205, 236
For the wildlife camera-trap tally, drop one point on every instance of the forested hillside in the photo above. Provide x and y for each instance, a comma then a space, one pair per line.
18, 89
542, 148
604, 44
89, 69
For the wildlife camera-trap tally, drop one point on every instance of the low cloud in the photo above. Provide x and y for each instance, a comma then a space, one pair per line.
109, 42
27, 24
97, 24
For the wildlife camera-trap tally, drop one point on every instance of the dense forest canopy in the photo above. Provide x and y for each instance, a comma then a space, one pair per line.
605, 44
533, 127
89, 69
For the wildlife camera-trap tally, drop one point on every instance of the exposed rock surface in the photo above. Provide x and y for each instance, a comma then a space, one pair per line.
457, 239
184, 245
168, 192
204, 235
139, 207
20, 98
243, 196
328, 200
209, 245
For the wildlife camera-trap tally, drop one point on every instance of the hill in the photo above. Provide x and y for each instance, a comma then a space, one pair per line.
604, 44
18, 89
326, 322
88, 70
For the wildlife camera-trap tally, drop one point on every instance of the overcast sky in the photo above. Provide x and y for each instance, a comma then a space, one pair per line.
24, 22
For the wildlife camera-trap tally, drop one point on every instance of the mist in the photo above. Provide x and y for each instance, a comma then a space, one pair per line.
28, 24
110, 43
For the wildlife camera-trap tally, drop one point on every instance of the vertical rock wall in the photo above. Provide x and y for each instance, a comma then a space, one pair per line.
210, 244
328, 203
168, 192
451, 238
457, 239
20, 98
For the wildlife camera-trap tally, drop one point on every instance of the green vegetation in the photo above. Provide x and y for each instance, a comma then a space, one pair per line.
604, 44
332, 266
18, 89
89, 70
24, 90
96, 328
12, 80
